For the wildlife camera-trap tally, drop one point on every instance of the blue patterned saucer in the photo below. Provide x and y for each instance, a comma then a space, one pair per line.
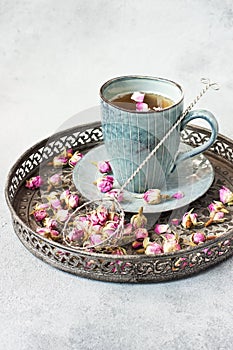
192, 177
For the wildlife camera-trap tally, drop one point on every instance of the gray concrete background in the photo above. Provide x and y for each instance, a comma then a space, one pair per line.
54, 56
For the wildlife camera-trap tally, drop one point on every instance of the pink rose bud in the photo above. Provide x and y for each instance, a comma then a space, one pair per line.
104, 167
65, 195
55, 235
110, 228
39, 215
76, 235
138, 220
105, 184
59, 161
153, 248
175, 222
217, 206
42, 206
171, 243
76, 157
115, 193
138, 96
152, 196
141, 233
226, 196
142, 107
99, 216
189, 219
50, 223
171, 246
137, 244
34, 182
178, 195
62, 215
161, 228
218, 217
55, 204
43, 231
198, 237
69, 153
72, 201
55, 180
95, 239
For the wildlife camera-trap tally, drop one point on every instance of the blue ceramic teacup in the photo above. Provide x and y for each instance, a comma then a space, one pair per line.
129, 136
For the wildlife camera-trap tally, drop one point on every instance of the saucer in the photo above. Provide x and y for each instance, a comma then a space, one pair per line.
193, 177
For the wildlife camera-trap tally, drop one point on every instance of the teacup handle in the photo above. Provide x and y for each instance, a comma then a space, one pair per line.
210, 118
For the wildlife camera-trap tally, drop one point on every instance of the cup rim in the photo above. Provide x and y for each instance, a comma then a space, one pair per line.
110, 81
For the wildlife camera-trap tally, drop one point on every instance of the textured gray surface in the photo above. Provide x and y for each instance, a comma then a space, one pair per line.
54, 55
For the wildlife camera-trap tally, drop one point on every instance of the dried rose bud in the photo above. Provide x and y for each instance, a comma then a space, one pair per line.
161, 228
34, 182
76, 235
69, 152
40, 214
138, 220
76, 157
218, 217
95, 239
154, 196
171, 244
104, 167
178, 195
175, 222
142, 107
137, 244
60, 160
72, 201
55, 180
137, 96
215, 218
62, 215
190, 219
43, 231
141, 233
56, 204
98, 215
198, 237
65, 195
226, 196
115, 193
40, 206
105, 183
50, 223
217, 206
110, 228
55, 235
153, 248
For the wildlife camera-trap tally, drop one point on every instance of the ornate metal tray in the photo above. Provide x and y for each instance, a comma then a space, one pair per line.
134, 268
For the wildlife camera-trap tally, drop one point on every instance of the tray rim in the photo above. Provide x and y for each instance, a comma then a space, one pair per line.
83, 253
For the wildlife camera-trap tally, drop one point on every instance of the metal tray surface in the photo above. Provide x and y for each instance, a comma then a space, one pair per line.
133, 268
